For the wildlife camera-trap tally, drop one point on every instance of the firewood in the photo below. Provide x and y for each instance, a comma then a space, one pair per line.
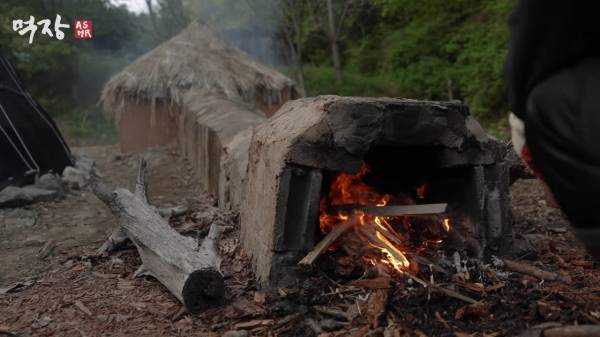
574, 331
416, 257
327, 241
370, 234
533, 271
190, 272
395, 210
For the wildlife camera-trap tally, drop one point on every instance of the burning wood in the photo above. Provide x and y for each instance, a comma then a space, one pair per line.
327, 241
378, 224
380, 234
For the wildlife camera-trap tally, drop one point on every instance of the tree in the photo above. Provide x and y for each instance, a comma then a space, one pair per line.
173, 16
293, 15
152, 17
331, 16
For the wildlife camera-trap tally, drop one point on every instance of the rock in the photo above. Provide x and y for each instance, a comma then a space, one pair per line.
51, 182
38, 194
85, 165
236, 333
41, 322
74, 178
12, 196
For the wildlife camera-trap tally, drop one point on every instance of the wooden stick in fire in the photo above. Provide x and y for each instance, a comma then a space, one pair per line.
392, 236
369, 232
328, 240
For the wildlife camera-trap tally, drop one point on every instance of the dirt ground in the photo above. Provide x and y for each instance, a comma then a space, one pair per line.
81, 220
76, 293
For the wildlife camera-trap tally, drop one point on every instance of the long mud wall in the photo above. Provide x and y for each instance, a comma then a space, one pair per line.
214, 135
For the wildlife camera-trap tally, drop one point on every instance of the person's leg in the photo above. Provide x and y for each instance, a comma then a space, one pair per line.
562, 127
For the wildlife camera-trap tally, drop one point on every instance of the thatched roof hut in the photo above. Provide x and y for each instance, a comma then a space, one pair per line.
198, 59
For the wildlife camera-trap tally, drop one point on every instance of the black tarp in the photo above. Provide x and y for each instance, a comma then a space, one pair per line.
30, 142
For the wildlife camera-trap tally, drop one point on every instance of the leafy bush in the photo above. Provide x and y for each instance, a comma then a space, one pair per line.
433, 49
320, 80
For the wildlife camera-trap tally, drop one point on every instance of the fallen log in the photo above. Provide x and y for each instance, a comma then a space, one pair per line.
118, 237
190, 272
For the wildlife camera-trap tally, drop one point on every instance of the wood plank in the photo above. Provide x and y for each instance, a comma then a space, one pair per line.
395, 210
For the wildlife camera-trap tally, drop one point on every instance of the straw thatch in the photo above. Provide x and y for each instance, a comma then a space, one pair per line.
197, 59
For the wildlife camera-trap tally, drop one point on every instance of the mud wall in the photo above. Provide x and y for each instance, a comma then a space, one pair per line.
142, 126
214, 135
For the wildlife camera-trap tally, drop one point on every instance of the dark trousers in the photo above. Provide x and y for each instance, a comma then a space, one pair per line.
562, 126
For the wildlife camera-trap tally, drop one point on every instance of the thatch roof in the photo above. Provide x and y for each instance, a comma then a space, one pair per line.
197, 58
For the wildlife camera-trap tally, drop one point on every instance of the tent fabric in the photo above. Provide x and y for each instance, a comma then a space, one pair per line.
30, 142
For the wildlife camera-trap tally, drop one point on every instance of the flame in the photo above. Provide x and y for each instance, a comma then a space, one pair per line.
394, 255
379, 232
446, 224
348, 189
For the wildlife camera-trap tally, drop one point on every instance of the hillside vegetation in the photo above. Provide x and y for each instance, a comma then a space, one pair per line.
431, 49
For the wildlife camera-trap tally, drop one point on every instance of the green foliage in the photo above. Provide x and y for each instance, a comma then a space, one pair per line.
433, 49
67, 76
88, 126
320, 80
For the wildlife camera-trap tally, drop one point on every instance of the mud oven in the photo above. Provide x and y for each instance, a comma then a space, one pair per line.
319, 157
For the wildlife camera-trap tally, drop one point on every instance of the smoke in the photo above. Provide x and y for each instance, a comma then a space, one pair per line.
250, 25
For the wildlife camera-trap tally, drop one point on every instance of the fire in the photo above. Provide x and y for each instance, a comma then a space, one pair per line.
394, 255
446, 224
348, 189
382, 233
